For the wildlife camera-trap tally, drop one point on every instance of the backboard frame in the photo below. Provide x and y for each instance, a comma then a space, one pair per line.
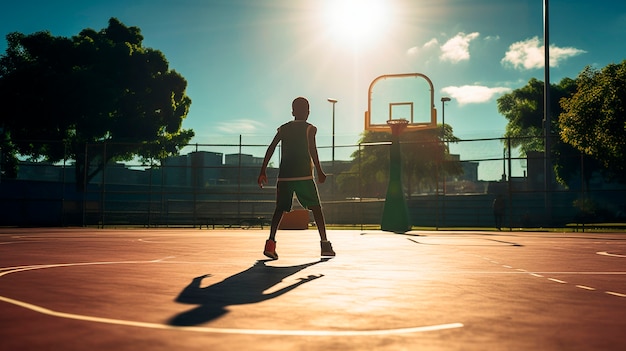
412, 125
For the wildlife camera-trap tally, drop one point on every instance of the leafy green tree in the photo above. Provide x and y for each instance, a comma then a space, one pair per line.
594, 118
423, 153
523, 108
101, 88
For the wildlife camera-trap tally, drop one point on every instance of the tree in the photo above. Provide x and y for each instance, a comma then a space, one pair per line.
523, 108
102, 87
422, 154
594, 118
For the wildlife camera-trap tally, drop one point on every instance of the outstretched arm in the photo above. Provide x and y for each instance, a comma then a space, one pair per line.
268, 155
321, 176
286, 289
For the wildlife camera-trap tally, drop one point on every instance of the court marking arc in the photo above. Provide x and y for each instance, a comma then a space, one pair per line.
39, 309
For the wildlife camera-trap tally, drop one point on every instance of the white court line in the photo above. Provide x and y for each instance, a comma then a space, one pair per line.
604, 253
231, 330
46, 311
21, 242
17, 269
582, 273
585, 287
536, 274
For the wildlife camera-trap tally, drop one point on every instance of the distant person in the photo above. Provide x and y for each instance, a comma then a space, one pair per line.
498, 211
298, 156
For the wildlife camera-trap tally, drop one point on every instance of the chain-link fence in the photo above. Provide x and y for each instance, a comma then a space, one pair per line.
216, 185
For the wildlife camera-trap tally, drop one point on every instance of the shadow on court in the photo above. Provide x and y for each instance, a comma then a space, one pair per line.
246, 287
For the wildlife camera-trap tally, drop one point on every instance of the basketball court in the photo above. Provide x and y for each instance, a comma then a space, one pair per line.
190, 289
187, 289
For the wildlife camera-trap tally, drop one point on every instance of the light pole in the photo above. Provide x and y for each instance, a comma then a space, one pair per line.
547, 113
443, 115
443, 136
333, 101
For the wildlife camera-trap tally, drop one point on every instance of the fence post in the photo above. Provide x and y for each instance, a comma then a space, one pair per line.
84, 186
360, 186
508, 147
103, 194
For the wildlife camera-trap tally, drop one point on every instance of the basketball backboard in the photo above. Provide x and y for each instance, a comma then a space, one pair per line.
408, 96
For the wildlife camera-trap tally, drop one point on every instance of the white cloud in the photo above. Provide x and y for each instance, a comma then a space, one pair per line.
558, 54
456, 49
240, 126
473, 94
529, 54
433, 43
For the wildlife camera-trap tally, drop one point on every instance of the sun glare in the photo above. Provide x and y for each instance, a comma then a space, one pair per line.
356, 22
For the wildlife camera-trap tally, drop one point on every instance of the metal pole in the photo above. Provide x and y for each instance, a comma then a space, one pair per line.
443, 137
504, 163
84, 185
103, 196
547, 120
333, 146
360, 188
509, 184
332, 184
443, 159
1, 158
333, 101
239, 178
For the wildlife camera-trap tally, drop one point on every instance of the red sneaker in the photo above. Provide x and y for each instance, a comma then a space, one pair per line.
270, 249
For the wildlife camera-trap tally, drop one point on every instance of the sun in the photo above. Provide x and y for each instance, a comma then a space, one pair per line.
356, 22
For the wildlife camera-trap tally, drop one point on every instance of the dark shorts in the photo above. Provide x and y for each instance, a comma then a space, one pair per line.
305, 190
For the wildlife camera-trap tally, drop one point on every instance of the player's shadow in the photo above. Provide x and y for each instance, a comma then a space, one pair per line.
242, 288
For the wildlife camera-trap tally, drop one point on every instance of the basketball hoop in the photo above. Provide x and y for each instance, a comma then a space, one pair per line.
399, 102
397, 125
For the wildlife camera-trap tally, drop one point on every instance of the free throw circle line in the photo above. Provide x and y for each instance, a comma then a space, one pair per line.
123, 322
49, 312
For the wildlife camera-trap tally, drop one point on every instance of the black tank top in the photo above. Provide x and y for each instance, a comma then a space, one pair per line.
295, 162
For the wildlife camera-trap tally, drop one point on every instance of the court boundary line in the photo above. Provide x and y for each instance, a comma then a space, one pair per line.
214, 330
113, 321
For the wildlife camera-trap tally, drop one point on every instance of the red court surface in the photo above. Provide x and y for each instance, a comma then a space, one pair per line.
191, 289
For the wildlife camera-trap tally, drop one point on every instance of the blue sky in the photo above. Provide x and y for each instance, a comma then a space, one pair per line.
245, 60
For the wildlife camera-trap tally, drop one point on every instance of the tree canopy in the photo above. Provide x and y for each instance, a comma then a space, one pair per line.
423, 156
594, 117
588, 122
524, 110
59, 94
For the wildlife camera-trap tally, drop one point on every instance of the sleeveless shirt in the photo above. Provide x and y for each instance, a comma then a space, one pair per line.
295, 162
